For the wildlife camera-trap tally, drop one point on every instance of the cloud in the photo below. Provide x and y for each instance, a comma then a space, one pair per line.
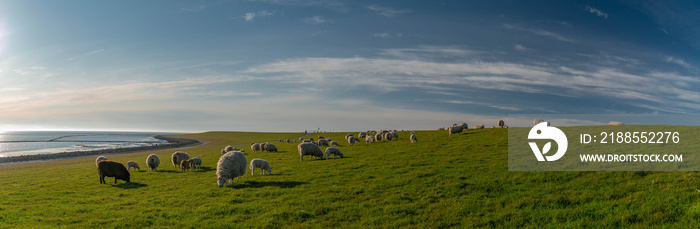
96, 51
387, 35
597, 12
543, 33
678, 61
387, 12
250, 16
315, 20
520, 47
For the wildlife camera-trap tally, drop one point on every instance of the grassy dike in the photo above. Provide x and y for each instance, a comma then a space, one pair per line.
460, 181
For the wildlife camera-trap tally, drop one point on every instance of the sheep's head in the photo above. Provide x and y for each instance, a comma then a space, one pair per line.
222, 181
269, 171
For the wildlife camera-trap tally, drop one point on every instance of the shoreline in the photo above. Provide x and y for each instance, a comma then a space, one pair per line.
172, 143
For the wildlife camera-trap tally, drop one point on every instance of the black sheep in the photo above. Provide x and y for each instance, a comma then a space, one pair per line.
112, 169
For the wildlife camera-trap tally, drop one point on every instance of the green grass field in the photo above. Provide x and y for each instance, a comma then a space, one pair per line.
460, 181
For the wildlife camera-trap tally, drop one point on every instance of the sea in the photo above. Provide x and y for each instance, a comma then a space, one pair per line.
47, 142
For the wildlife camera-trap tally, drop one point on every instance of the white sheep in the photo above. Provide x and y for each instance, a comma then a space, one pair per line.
440, 128
307, 148
152, 161
351, 140
196, 162
270, 147
100, 158
334, 143
615, 123
369, 139
414, 139
262, 164
178, 157
322, 142
501, 123
231, 165
479, 127
388, 136
378, 136
361, 135
229, 148
132, 164
334, 151
537, 121
255, 147
455, 130
396, 134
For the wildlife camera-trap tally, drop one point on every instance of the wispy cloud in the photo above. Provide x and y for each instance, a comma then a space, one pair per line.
386, 11
520, 47
387, 35
678, 61
543, 33
315, 20
250, 16
597, 12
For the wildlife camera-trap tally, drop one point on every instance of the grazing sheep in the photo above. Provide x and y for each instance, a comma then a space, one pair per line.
369, 139
501, 123
348, 135
441, 128
301, 139
351, 140
262, 164
309, 149
455, 130
334, 143
537, 121
413, 138
378, 136
321, 137
306, 141
178, 156
255, 147
229, 148
323, 142
270, 147
152, 161
361, 135
311, 139
464, 125
185, 165
231, 165
114, 169
100, 158
396, 134
133, 164
388, 136
196, 163
334, 151
263, 146
615, 123
479, 127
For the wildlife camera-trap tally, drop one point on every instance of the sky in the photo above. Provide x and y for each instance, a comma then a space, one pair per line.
292, 65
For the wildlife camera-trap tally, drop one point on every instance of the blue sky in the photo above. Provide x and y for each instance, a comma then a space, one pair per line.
291, 65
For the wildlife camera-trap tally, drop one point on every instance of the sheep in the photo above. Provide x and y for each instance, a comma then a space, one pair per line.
413, 138
100, 158
464, 125
195, 163
114, 169
388, 136
369, 139
133, 164
255, 147
270, 147
454, 130
334, 151
263, 146
309, 149
361, 135
231, 165
378, 136
615, 123
323, 142
479, 127
306, 141
311, 139
501, 123
321, 137
152, 161
229, 148
185, 165
262, 164
441, 128
348, 135
396, 134
177, 157
334, 143
351, 140
537, 121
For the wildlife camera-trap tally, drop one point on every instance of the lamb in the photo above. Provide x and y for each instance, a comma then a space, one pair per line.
334, 151
100, 158
351, 140
413, 138
133, 164
369, 139
114, 169
178, 156
615, 123
323, 142
152, 161
195, 163
255, 147
334, 143
501, 123
270, 147
185, 165
479, 127
262, 164
231, 165
454, 130
309, 149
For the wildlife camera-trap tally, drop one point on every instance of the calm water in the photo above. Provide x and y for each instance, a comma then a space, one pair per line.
46, 142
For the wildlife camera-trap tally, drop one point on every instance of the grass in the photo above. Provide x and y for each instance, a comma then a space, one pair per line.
461, 181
